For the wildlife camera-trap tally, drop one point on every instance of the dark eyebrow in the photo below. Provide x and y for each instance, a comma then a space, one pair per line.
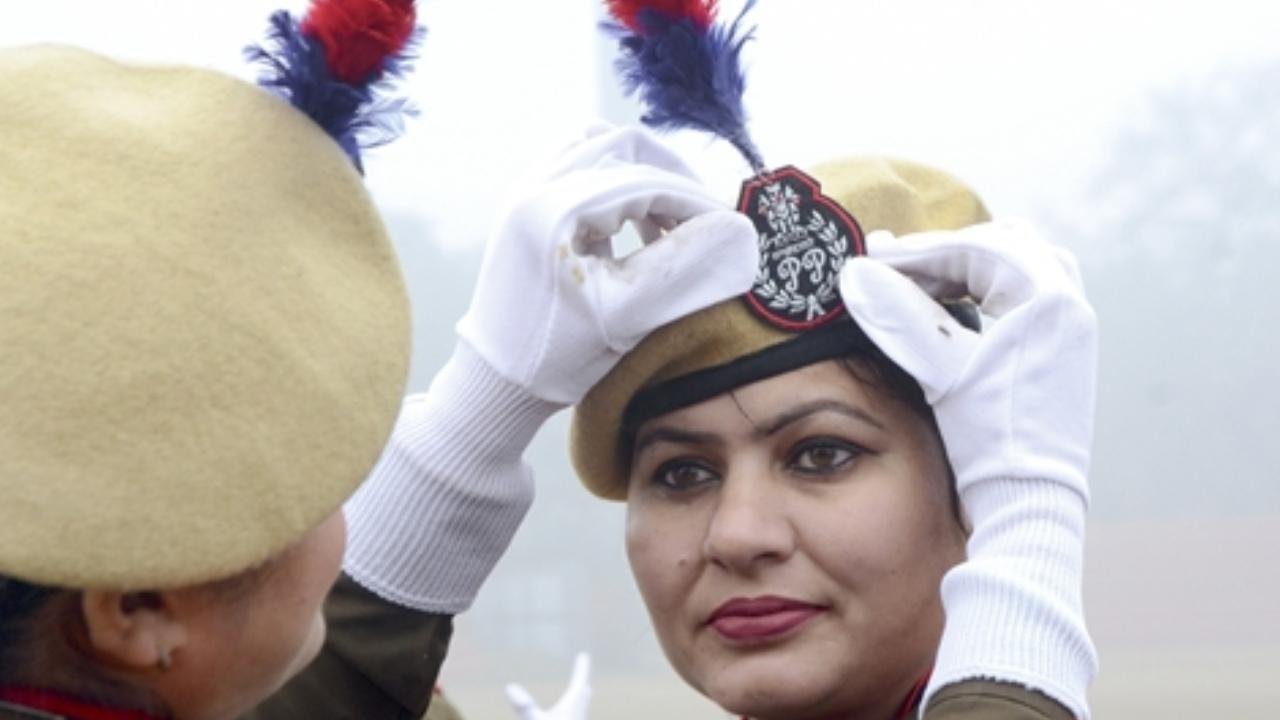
812, 408
685, 437
666, 434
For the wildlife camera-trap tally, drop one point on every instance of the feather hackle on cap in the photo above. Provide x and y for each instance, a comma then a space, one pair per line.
685, 66
338, 65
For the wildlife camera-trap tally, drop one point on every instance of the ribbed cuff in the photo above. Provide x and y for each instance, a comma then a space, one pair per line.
1013, 608
450, 490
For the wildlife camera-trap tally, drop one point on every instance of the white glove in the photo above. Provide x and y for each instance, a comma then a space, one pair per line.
546, 322
553, 311
572, 705
1015, 408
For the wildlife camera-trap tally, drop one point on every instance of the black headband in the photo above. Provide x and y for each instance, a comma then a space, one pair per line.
839, 338
833, 340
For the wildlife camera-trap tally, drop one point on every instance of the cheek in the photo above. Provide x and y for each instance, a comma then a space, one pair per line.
331, 545
663, 548
325, 563
258, 645
297, 623
890, 538
665, 553
317, 563
311, 646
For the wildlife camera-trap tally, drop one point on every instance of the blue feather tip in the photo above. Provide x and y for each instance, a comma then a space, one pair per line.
358, 117
688, 75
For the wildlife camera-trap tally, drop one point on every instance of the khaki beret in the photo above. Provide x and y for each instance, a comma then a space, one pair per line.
204, 328
881, 193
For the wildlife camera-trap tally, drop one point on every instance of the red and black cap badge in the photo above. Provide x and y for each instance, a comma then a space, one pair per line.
805, 238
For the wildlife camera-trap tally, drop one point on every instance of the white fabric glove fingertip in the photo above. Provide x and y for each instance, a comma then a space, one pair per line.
579, 692
706, 260
906, 324
525, 707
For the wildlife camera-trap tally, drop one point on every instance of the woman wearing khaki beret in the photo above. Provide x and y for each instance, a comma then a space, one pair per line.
850, 494
878, 515
206, 340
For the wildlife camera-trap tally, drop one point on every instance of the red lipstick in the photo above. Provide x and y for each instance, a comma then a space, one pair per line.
748, 620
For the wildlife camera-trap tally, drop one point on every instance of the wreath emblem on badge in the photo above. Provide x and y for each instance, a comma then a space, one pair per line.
805, 238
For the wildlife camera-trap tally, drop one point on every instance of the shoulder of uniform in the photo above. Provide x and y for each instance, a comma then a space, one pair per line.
992, 700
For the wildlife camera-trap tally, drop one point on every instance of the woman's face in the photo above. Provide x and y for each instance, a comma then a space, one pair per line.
245, 647
789, 540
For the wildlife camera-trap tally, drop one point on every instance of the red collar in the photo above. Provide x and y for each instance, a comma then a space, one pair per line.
913, 697
65, 707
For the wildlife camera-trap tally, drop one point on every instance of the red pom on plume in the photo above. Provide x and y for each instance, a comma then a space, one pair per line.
359, 35
701, 12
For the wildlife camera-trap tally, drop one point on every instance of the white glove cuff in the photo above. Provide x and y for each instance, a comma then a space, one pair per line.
1013, 609
450, 490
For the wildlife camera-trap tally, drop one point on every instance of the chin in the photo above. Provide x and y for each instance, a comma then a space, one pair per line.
763, 692
761, 704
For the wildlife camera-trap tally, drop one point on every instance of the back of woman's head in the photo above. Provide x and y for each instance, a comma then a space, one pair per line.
206, 344
203, 359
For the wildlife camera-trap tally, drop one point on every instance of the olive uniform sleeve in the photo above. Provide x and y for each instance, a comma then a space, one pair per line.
442, 709
380, 662
988, 700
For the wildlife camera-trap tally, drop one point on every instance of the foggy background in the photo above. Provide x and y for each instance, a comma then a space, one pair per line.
1143, 135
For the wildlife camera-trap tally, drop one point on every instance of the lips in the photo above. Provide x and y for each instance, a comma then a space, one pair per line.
761, 619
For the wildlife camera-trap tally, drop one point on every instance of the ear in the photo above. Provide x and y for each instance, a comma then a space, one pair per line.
139, 632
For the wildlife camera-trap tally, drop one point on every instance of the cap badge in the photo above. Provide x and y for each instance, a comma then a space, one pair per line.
805, 238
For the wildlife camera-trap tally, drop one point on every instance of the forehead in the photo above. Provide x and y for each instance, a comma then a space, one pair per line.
762, 400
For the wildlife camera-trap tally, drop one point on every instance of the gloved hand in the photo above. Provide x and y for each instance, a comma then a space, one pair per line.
551, 314
553, 310
572, 705
1015, 408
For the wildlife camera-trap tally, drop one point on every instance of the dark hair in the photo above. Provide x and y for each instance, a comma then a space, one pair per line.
42, 645
19, 602
872, 367
44, 641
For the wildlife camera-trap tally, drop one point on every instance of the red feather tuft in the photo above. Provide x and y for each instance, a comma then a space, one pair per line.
701, 12
359, 35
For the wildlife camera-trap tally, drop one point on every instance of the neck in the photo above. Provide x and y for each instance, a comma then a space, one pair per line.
912, 699
908, 704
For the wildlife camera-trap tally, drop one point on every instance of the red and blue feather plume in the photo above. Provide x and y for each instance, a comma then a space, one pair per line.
685, 66
338, 63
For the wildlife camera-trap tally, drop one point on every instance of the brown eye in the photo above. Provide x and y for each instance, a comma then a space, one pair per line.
682, 475
819, 457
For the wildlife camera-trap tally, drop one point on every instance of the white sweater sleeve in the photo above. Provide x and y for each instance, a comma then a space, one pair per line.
445, 499
1013, 609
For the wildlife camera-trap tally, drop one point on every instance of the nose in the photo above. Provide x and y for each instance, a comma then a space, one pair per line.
750, 527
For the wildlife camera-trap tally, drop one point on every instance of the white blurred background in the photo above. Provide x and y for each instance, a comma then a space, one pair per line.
1143, 135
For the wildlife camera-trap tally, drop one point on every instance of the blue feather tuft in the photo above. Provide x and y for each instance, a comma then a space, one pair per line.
358, 117
688, 76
